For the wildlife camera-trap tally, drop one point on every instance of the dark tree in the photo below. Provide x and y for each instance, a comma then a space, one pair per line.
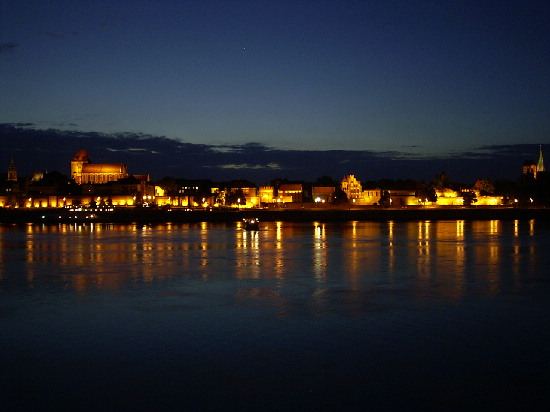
340, 196
326, 181
236, 197
485, 187
385, 200
507, 189
469, 198
426, 193
441, 181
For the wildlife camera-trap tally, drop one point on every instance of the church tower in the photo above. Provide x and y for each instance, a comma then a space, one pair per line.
12, 172
79, 160
540, 163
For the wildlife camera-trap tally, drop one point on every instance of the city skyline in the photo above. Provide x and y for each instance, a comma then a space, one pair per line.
47, 150
410, 79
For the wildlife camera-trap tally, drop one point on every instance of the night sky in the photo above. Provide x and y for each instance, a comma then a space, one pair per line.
414, 79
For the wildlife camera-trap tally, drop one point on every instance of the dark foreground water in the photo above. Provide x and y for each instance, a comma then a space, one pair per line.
298, 316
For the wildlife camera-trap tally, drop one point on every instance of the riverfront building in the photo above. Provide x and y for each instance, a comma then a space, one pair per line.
110, 184
530, 168
84, 171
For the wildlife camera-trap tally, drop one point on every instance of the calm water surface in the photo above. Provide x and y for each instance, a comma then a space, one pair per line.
296, 316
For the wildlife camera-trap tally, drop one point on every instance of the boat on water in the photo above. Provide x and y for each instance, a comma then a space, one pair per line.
251, 223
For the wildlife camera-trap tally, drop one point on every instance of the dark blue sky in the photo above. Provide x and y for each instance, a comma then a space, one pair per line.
422, 78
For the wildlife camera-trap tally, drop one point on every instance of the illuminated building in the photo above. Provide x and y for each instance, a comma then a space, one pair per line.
402, 197
371, 196
266, 194
531, 168
290, 192
83, 171
322, 194
250, 194
448, 197
351, 187
10, 188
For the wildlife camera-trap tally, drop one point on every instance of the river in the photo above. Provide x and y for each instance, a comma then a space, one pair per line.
406, 315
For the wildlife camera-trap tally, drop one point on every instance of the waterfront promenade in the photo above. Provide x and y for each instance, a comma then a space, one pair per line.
145, 215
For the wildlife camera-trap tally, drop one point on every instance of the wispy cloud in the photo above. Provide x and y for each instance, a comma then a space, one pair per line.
270, 166
132, 150
223, 149
241, 148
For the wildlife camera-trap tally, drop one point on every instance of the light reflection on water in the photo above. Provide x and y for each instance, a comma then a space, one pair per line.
332, 302
488, 255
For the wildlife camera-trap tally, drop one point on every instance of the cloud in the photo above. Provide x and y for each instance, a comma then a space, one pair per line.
132, 150
160, 156
241, 148
64, 124
270, 166
223, 149
20, 124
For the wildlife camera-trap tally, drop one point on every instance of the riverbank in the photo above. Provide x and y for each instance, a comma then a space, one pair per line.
143, 215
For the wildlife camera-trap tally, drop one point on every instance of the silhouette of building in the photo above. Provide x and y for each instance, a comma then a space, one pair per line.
12, 172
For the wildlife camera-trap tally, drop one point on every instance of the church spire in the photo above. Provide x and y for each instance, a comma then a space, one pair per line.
540, 163
12, 172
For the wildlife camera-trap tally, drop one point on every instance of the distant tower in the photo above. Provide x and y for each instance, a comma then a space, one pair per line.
79, 160
540, 163
12, 172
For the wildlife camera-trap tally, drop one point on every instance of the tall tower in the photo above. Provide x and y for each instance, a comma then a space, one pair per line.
80, 159
540, 163
12, 172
